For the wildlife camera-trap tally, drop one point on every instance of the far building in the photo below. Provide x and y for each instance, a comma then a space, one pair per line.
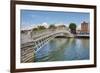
84, 27
60, 27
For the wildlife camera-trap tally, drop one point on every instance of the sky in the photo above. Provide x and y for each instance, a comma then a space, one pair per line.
35, 17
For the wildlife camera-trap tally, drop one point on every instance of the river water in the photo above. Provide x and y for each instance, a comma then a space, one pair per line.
64, 49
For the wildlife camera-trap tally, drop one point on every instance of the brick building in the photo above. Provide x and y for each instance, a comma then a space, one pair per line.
84, 27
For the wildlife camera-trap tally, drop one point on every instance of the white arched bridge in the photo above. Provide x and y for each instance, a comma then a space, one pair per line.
33, 41
40, 39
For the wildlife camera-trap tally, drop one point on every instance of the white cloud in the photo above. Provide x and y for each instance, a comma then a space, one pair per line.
34, 26
45, 24
27, 27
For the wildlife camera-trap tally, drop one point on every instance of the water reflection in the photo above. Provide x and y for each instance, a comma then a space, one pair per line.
64, 49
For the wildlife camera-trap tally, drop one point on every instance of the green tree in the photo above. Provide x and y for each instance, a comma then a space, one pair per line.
72, 27
35, 29
41, 27
52, 26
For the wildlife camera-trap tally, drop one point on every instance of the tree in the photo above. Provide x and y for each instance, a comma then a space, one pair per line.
72, 27
52, 26
35, 29
41, 27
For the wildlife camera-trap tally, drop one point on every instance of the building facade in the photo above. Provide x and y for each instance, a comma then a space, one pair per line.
84, 27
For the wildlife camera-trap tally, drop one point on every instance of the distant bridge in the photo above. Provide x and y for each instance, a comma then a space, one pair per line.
82, 35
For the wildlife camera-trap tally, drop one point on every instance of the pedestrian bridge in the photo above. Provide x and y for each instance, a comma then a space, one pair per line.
36, 40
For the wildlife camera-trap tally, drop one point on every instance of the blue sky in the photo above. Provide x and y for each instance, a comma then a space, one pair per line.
33, 17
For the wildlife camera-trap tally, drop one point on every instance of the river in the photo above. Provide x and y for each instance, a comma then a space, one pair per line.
64, 49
